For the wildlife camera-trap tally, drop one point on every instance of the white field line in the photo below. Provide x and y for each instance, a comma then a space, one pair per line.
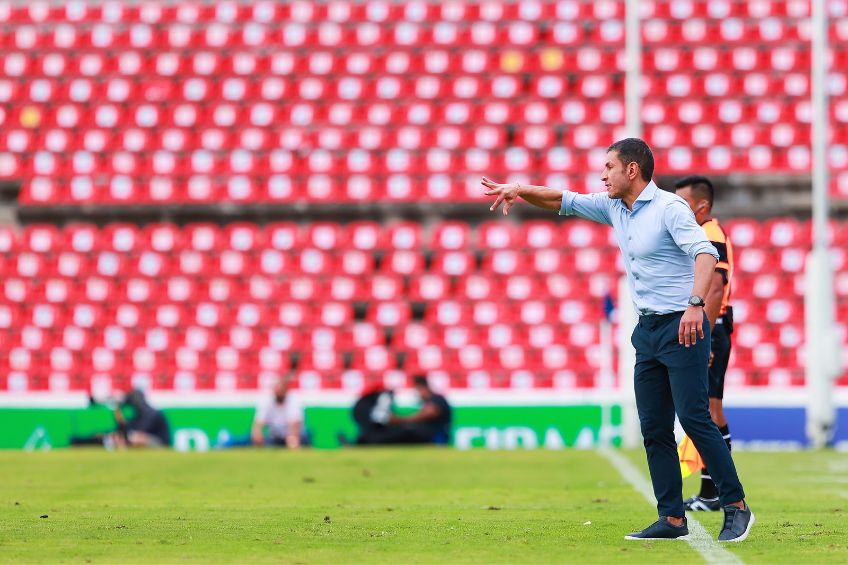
698, 538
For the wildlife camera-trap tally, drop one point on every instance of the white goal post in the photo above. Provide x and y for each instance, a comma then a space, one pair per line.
821, 338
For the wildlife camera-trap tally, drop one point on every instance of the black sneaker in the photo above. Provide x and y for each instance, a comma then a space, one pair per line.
701, 504
661, 529
737, 523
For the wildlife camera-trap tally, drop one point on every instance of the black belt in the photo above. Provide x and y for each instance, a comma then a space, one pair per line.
649, 317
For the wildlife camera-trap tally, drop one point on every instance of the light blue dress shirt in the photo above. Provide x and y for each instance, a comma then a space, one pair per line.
659, 241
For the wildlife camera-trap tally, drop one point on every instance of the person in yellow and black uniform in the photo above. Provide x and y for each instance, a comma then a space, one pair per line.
699, 193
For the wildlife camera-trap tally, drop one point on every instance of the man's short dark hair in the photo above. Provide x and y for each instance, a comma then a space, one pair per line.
700, 185
634, 150
420, 380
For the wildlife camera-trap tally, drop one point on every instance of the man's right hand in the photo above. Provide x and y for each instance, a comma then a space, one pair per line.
505, 193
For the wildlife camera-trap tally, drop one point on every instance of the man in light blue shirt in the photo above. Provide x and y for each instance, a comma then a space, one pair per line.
669, 264
659, 241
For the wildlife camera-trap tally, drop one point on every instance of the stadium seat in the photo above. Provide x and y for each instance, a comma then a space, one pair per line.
181, 104
178, 62
429, 287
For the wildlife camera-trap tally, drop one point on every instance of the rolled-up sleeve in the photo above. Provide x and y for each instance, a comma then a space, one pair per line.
593, 207
687, 234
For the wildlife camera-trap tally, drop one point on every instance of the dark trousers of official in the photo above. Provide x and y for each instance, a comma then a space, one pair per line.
670, 377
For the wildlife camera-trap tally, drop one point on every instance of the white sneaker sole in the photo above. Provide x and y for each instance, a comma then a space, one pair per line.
744, 534
634, 538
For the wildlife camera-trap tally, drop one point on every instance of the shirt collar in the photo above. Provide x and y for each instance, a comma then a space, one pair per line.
648, 193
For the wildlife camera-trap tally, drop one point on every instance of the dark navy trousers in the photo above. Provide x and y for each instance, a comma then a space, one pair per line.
670, 377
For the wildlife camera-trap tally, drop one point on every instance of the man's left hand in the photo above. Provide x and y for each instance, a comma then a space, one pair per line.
691, 326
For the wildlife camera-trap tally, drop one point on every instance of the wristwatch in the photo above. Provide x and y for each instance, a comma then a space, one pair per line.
696, 301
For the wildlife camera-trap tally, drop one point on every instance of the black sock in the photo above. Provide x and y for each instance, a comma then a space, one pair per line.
725, 433
708, 488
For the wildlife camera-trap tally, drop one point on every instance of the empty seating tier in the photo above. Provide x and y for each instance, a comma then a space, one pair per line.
496, 305
191, 102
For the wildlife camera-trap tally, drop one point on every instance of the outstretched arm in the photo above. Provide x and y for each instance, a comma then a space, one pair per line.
593, 207
506, 194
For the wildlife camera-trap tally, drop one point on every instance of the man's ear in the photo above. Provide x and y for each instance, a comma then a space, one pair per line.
633, 170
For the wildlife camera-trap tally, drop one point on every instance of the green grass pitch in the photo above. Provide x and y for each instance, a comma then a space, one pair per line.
390, 506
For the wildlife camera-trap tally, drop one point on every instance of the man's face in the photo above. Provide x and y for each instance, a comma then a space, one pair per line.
615, 175
699, 206
423, 392
280, 392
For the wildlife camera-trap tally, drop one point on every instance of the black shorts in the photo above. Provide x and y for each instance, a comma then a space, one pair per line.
721, 358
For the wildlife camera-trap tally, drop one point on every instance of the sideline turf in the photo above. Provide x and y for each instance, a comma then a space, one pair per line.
386, 505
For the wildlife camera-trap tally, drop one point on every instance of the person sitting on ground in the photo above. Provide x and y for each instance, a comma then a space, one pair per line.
371, 413
432, 421
146, 428
380, 426
279, 422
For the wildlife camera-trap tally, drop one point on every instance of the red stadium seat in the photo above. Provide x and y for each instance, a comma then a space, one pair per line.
453, 263
504, 262
321, 360
365, 236
414, 335
404, 236
376, 358
355, 262
389, 314
116, 107
429, 287
427, 358
403, 262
